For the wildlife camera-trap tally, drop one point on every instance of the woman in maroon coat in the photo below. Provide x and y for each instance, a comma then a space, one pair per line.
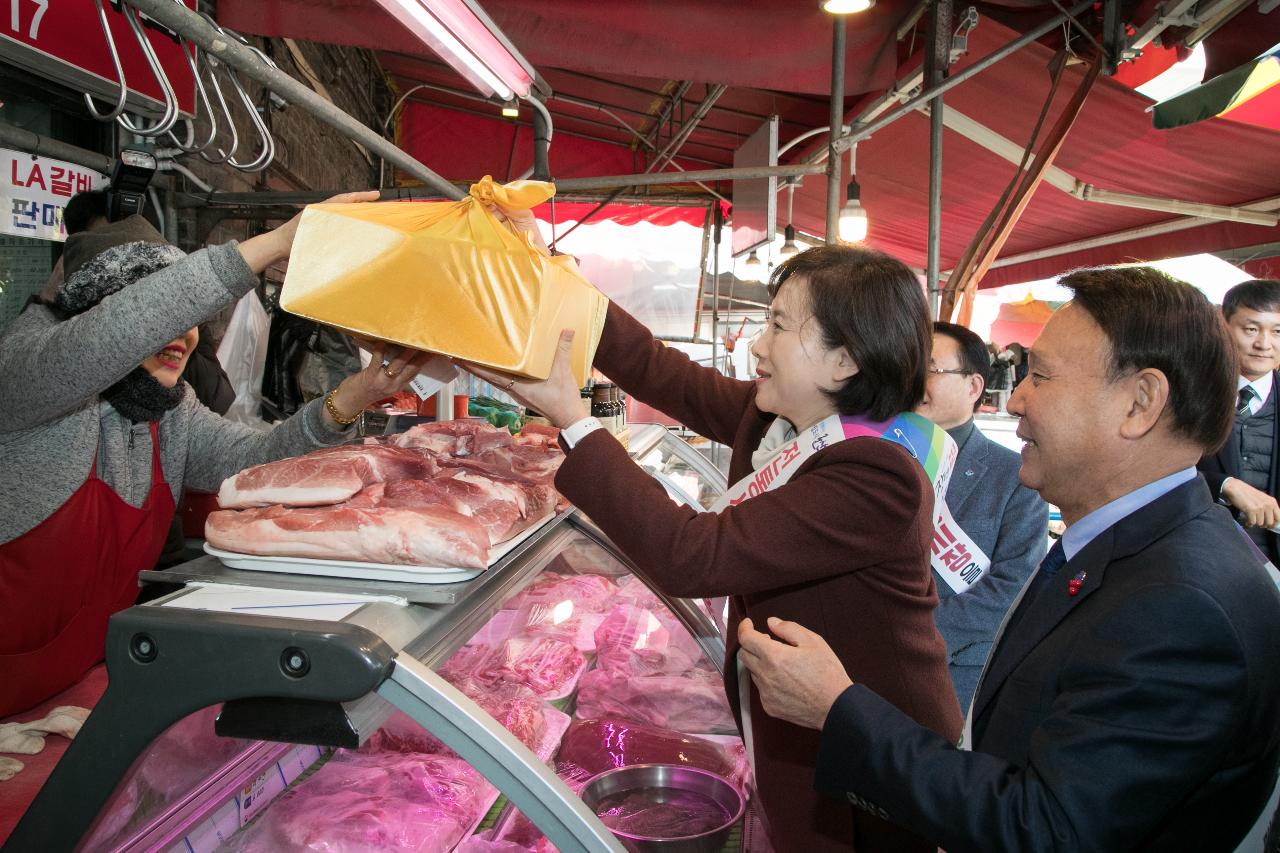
842, 546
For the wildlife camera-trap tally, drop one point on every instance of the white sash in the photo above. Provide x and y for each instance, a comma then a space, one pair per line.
955, 557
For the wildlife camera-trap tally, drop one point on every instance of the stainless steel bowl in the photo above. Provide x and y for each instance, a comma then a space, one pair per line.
659, 777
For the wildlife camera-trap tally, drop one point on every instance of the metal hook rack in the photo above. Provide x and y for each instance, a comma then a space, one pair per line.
204, 70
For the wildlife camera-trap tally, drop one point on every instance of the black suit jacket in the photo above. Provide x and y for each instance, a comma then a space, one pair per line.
1217, 467
1142, 713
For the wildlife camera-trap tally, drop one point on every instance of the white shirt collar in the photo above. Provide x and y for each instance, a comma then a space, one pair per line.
1261, 390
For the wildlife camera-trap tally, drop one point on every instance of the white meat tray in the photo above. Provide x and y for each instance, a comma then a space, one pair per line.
369, 571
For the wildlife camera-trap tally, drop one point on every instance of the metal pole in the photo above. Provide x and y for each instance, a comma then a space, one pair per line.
860, 133
936, 63
22, 139
715, 285
660, 178
669, 152
837, 125
198, 31
541, 146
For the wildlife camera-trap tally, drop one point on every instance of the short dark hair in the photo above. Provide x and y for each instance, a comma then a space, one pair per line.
974, 356
1154, 320
871, 304
1260, 294
82, 209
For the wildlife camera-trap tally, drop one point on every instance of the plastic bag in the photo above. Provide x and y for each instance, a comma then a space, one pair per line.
243, 356
449, 277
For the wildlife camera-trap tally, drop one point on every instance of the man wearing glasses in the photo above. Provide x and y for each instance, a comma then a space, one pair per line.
1005, 520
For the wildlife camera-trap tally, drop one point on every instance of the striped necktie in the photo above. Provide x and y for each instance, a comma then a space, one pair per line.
1246, 397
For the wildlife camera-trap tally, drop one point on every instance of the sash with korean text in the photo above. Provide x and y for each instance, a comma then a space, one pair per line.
955, 557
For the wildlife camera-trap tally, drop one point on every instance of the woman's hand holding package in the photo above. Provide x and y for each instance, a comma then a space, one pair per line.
377, 381
264, 250
556, 397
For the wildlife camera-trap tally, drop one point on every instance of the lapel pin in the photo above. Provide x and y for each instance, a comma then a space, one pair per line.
1073, 585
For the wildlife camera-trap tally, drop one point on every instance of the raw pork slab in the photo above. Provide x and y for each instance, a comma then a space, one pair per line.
517, 462
455, 438
423, 536
325, 476
504, 508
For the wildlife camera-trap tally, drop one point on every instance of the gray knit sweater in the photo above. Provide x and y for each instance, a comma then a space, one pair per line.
52, 421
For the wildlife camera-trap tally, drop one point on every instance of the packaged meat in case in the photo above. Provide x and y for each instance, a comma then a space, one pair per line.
362, 803
589, 592
548, 667
694, 702
565, 620
639, 641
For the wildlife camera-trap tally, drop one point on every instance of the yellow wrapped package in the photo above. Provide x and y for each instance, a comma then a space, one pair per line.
448, 277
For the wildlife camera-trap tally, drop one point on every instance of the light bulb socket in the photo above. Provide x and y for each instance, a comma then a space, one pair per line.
853, 192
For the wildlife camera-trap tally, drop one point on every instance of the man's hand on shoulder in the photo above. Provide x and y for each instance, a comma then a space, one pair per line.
799, 679
1258, 508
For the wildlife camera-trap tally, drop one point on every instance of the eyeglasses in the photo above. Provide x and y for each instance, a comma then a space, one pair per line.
940, 371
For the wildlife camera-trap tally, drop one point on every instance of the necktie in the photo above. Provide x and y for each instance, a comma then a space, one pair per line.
1246, 396
1048, 570
1049, 566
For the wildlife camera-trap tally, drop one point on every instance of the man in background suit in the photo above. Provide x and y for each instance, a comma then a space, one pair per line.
1243, 473
1005, 519
1132, 701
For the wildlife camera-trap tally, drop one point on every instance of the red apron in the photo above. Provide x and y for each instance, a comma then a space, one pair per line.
60, 581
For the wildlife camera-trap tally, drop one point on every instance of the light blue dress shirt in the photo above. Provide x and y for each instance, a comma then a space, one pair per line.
1087, 529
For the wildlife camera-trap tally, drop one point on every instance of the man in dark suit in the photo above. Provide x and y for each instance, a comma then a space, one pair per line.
1132, 701
1243, 473
1003, 518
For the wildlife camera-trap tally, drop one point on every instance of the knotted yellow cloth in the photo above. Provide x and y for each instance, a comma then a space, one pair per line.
469, 279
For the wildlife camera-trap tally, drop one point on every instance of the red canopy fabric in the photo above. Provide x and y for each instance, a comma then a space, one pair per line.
766, 44
623, 214
626, 53
1112, 146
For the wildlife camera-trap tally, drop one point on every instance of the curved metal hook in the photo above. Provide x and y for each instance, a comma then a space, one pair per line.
222, 157
268, 152
115, 59
189, 145
170, 116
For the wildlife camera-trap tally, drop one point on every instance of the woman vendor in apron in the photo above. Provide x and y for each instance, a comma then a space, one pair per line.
101, 435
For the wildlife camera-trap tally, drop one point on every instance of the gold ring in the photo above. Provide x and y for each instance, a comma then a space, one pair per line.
391, 374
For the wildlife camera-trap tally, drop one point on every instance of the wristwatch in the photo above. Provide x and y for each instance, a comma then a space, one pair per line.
576, 431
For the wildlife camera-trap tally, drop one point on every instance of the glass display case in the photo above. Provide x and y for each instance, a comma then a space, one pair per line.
252, 711
688, 476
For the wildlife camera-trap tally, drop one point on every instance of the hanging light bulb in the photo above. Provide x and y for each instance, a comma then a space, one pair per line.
789, 247
846, 7
751, 267
853, 216
511, 108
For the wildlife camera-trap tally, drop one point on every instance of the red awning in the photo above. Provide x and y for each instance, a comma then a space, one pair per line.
775, 56
1112, 146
